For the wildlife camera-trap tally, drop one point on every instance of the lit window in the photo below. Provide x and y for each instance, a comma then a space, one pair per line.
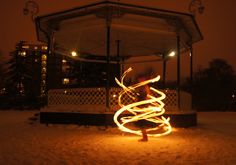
43, 63
66, 81
44, 47
43, 76
23, 53
25, 46
44, 57
43, 70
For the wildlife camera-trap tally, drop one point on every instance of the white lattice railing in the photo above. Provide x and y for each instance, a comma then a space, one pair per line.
94, 99
77, 96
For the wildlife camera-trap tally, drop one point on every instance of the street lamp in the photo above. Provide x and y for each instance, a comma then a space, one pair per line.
74, 54
196, 6
32, 8
172, 54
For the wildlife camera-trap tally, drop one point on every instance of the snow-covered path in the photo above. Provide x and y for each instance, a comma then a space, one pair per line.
213, 141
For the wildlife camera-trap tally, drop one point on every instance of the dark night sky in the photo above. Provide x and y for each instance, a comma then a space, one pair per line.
217, 24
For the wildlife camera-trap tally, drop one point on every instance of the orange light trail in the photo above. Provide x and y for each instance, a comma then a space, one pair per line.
151, 111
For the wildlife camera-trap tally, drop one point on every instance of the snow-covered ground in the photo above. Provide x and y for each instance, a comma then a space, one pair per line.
23, 142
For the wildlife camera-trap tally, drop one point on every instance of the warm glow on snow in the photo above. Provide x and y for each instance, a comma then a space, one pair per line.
151, 109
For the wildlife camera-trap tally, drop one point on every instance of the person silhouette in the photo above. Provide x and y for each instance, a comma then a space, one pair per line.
143, 92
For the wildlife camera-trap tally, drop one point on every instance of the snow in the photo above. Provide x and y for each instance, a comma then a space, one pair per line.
24, 141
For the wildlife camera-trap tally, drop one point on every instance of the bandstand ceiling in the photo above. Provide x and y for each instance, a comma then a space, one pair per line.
140, 31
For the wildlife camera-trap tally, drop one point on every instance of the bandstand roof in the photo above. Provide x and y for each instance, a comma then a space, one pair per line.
141, 31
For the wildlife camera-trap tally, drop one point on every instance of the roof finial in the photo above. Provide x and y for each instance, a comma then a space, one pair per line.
196, 6
32, 8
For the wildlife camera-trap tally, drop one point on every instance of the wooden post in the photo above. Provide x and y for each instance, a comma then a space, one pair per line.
108, 67
191, 72
118, 58
178, 69
191, 65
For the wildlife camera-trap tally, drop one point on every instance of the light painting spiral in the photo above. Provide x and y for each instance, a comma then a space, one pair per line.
150, 109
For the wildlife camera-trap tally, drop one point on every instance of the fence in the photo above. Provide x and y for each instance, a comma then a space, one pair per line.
94, 100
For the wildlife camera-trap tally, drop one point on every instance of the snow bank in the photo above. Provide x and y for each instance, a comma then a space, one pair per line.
24, 141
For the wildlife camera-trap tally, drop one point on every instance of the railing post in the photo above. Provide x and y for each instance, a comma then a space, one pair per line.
164, 70
108, 67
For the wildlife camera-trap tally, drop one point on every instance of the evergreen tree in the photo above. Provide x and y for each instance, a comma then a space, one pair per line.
19, 75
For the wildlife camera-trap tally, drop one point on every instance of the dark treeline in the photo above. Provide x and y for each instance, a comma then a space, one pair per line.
213, 88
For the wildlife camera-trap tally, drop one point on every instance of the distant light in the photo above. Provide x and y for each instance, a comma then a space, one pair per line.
44, 70
23, 53
35, 47
64, 61
66, 81
44, 47
73, 53
44, 57
25, 46
233, 96
114, 95
172, 54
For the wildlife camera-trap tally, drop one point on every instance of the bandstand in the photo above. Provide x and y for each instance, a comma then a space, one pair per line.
111, 33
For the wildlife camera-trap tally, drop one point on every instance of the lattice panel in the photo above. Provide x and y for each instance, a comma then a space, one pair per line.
170, 100
97, 96
77, 96
114, 93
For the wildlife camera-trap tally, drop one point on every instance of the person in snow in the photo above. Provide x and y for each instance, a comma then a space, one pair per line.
143, 92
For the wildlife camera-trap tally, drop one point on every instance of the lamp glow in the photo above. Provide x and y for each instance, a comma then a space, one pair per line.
172, 54
150, 109
73, 53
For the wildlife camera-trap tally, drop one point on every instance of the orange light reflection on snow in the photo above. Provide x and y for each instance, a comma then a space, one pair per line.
152, 111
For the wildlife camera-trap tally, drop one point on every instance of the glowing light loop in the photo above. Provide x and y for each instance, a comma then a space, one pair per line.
151, 109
